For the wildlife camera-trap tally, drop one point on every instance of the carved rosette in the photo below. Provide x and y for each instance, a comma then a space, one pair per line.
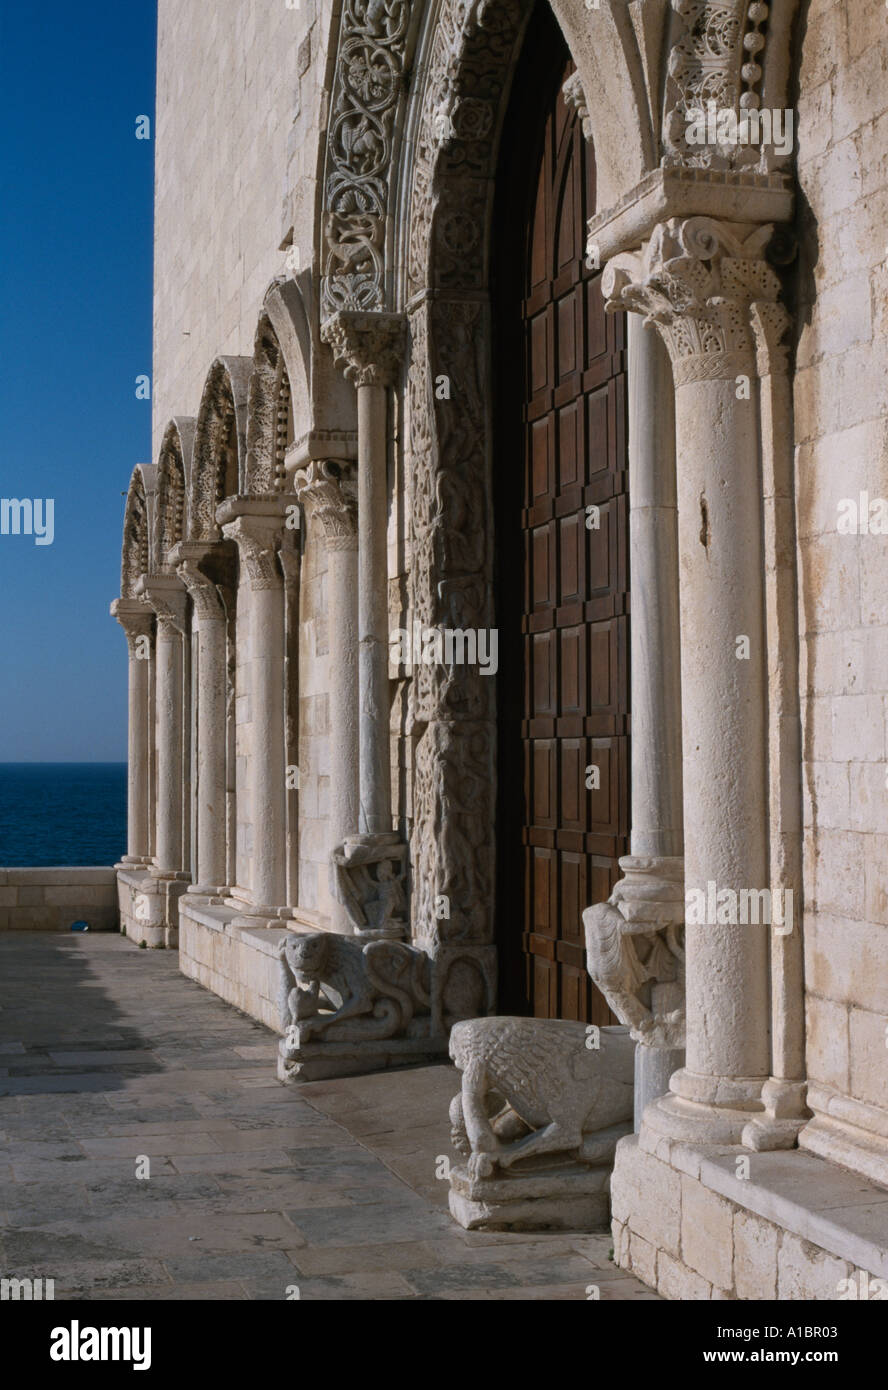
708, 289
257, 539
205, 597
367, 86
367, 348
327, 489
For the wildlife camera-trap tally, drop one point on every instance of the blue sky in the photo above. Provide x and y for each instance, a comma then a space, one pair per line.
75, 332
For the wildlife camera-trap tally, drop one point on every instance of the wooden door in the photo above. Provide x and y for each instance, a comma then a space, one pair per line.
567, 606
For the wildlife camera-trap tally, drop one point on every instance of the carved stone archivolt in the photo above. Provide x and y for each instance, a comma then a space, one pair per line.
269, 415
366, 92
219, 444
173, 467
136, 552
707, 287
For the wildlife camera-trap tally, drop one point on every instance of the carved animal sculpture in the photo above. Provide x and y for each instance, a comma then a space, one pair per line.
538, 1078
387, 980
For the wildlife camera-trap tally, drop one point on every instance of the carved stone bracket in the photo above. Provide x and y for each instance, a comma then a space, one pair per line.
635, 949
369, 875
367, 348
707, 287
327, 488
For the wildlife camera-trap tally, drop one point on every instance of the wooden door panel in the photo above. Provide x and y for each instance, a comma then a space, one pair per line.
566, 701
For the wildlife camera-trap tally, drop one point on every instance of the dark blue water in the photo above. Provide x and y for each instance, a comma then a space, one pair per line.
62, 813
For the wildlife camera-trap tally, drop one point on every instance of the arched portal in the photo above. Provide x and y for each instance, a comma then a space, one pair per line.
456, 255
561, 547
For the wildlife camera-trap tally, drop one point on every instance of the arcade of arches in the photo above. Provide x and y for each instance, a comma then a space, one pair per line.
531, 372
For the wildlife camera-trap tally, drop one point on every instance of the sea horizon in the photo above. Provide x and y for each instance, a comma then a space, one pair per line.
62, 814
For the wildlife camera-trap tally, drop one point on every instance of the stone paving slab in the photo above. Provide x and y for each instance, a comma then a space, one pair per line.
111, 1058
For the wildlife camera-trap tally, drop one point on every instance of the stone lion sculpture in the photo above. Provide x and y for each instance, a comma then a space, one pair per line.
348, 990
535, 1086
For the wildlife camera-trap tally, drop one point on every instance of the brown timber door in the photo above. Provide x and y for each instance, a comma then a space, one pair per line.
563, 580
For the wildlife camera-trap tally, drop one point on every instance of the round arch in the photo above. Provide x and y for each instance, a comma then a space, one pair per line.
220, 437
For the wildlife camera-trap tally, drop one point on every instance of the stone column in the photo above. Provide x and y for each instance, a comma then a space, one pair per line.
369, 348
654, 872
211, 727
137, 621
166, 594
257, 531
328, 490
698, 279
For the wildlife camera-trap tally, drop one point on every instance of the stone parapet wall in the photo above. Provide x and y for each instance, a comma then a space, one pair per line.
688, 1225
238, 963
52, 899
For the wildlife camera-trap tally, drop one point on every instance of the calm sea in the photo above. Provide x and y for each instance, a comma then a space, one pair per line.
62, 813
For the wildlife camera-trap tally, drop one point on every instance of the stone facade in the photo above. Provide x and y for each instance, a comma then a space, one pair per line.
305, 800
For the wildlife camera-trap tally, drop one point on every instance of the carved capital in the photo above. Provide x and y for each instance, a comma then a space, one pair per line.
257, 539
367, 348
135, 617
167, 596
707, 287
327, 489
204, 593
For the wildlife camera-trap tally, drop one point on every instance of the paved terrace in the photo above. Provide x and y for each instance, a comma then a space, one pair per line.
108, 1053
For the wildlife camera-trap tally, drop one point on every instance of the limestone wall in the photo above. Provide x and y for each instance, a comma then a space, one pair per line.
52, 899
841, 421
239, 107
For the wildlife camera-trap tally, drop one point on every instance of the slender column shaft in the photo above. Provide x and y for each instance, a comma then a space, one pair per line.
725, 745
137, 755
169, 747
269, 779
136, 619
258, 535
211, 740
375, 754
342, 578
654, 629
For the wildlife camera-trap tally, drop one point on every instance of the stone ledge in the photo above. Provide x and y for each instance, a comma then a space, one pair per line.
793, 1229
57, 877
